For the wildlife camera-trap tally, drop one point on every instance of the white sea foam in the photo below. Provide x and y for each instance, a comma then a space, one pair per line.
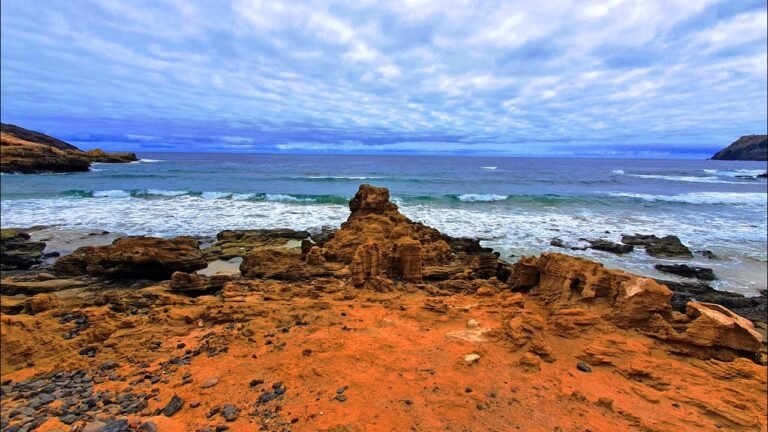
490, 167
522, 231
690, 179
286, 198
736, 172
243, 196
149, 160
750, 198
216, 195
116, 193
619, 172
340, 177
167, 193
481, 197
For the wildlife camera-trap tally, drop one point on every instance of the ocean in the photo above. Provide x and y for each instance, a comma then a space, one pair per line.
515, 205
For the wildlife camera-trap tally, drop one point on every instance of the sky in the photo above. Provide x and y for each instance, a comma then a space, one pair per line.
617, 78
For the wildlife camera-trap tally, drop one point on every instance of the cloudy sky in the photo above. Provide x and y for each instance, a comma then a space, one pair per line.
626, 78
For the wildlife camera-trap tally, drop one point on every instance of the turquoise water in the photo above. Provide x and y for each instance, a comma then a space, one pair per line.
517, 205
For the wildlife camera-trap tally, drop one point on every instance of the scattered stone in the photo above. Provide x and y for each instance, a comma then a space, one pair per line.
194, 404
609, 246
660, 247
210, 382
148, 426
256, 382
342, 389
471, 324
174, 405
230, 412
583, 367
471, 358
685, 270
340, 398
707, 254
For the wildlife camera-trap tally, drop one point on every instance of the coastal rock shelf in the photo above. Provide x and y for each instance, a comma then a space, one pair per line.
383, 324
27, 152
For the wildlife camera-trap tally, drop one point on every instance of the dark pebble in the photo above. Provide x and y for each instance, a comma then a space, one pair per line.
230, 412
583, 367
342, 389
340, 398
255, 382
174, 405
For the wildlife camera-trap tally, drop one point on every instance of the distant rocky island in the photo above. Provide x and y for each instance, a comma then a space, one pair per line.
746, 148
28, 152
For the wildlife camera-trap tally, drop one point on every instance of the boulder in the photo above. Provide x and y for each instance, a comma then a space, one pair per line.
17, 251
712, 332
41, 303
193, 283
625, 299
684, 270
669, 246
273, 264
134, 258
609, 246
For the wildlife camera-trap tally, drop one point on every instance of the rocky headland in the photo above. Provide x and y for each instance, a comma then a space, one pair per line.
747, 148
382, 324
27, 152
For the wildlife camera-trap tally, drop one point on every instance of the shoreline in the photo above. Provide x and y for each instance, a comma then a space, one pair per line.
730, 270
323, 330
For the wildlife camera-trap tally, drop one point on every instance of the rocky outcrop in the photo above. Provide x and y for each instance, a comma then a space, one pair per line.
625, 299
99, 155
196, 284
567, 283
134, 258
609, 246
748, 147
27, 152
685, 270
17, 251
234, 243
273, 264
374, 217
752, 308
710, 331
661, 247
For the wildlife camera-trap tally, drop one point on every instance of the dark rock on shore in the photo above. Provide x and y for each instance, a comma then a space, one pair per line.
748, 147
609, 246
669, 246
27, 152
17, 251
134, 258
684, 270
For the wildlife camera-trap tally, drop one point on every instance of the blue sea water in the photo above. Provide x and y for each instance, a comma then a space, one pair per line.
516, 205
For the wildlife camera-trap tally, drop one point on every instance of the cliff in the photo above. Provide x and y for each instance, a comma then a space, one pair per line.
28, 152
747, 148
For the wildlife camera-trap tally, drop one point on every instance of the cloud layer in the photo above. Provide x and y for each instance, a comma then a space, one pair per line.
613, 78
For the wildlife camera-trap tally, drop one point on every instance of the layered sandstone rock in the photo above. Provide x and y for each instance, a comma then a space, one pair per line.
578, 292
374, 217
134, 258
28, 152
192, 283
234, 243
99, 155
